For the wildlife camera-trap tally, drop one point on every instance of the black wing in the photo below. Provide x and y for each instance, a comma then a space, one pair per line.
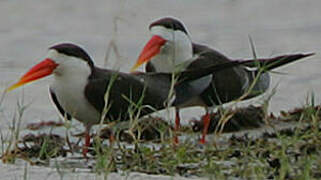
56, 102
152, 89
127, 92
227, 85
207, 56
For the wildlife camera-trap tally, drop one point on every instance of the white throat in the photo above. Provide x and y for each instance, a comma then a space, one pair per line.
176, 54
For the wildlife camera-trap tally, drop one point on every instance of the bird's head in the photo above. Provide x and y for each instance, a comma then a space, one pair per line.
59, 58
166, 32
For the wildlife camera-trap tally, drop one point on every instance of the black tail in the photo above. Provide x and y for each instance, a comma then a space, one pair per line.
271, 63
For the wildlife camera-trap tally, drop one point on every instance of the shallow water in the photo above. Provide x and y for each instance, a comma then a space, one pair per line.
277, 27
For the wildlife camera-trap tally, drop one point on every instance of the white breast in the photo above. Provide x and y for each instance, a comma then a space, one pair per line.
69, 85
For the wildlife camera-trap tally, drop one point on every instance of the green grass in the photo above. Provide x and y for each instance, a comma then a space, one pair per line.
283, 154
10, 142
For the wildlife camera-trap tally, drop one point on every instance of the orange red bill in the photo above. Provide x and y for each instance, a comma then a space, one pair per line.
43, 69
152, 48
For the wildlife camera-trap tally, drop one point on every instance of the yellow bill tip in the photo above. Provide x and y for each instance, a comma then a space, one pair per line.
13, 87
134, 67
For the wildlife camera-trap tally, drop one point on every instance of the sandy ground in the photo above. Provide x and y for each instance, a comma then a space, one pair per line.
277, 27
11, 172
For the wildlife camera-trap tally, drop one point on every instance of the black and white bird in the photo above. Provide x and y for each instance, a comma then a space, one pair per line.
171, 49
78, 87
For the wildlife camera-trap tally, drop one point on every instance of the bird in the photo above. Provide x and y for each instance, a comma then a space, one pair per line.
170, 49
91, 94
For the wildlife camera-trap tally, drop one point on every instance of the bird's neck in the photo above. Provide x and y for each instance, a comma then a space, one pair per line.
73, 72
175, 55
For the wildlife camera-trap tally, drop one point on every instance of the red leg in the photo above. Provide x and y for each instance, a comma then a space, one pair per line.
206, 121
177, 120
87, 143
111, 138
177, 125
